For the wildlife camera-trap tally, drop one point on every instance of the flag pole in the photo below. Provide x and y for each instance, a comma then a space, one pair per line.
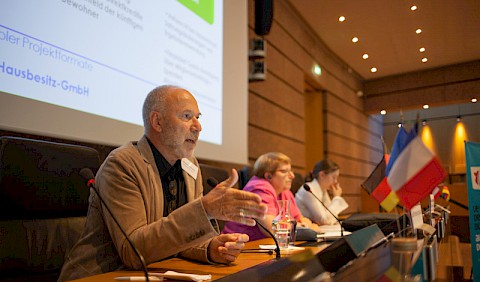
385, 149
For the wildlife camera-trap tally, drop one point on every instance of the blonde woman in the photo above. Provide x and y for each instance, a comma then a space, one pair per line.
272, 180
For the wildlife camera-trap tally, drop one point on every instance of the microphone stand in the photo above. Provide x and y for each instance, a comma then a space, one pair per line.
306, 187
214, 182
88, 174
277, 249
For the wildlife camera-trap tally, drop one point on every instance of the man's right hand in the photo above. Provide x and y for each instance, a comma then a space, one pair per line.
226, 203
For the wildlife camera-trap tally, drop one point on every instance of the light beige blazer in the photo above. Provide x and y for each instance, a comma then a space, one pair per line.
130, 185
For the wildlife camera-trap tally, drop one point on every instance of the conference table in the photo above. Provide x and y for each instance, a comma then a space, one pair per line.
245, 260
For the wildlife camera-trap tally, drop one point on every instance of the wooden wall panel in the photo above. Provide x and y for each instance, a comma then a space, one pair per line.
341, 147
424, 79
268, 117
343, 108
261, 142
280, 93
349, 184
354, 206
437, 87
340, 126
369, 204
351, 167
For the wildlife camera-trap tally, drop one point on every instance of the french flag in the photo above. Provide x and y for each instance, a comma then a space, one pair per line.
415, 173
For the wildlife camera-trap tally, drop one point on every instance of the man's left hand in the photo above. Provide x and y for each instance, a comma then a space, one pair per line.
226, 247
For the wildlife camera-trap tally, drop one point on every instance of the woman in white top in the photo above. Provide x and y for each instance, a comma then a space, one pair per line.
325, 178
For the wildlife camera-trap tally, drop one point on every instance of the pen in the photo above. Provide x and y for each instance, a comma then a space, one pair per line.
139, 278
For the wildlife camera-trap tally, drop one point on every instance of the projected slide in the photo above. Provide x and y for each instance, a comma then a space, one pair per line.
103, 56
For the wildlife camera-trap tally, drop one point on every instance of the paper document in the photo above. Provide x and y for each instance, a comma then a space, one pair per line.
182, 276
329, 228
332, 235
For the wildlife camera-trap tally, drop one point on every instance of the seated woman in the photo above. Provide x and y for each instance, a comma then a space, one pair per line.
272, 180
325, 178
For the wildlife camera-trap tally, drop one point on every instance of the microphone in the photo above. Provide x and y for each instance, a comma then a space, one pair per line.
87, 174
214, 182
277, 249
306, 187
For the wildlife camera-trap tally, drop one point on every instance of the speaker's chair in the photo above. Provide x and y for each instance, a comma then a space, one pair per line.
297, 182
244, 176
43, 203
208, 171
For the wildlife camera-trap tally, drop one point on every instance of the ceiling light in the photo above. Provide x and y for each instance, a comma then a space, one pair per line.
365, 56
383, 112
373, 69
317, 70
474, 100
341, 19
426, 106
422, 49
355, 39
418, 31
424, 60
413, 8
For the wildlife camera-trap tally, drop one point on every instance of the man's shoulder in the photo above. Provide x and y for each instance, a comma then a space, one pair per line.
125, 148
129, 151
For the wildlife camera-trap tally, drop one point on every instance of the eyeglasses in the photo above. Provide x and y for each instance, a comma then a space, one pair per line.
285, 171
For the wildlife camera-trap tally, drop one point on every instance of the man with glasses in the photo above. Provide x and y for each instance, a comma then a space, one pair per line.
154, 188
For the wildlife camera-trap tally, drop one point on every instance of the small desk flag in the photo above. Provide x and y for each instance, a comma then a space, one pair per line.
412, 172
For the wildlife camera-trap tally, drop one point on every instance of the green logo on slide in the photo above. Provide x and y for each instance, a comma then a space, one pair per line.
203, 8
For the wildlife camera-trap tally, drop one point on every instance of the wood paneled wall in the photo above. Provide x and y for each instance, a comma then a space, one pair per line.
311, 117
455, 84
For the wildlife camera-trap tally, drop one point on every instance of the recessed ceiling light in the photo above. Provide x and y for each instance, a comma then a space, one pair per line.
422, 49
426, 106
383, 112
418, 31
341, 19
365, 56
373, 69
424, 60
413, 8
474, 100
317, 70
355, 39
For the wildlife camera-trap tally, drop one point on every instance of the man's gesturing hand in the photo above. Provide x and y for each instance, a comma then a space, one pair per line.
229, 204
